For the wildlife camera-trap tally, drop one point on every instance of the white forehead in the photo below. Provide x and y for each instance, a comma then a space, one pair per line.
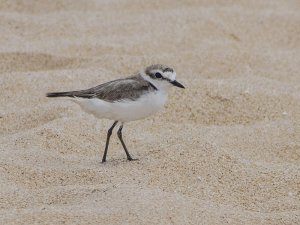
168, 74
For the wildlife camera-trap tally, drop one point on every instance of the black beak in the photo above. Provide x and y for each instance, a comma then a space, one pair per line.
177, 84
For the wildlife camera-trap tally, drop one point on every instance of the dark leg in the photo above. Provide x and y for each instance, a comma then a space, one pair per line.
109, 132
123, 144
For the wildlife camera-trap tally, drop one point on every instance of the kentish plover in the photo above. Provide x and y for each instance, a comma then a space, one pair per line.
127, 99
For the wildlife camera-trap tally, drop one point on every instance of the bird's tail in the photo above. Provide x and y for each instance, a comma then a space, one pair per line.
60, 94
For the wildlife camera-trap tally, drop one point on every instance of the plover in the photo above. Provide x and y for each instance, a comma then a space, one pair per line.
128, 99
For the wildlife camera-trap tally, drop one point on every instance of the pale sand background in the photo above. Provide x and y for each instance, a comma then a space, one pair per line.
226, 150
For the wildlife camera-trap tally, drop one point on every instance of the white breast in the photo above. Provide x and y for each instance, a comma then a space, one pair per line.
125, 111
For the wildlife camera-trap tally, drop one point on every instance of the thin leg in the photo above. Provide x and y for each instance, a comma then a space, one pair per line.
123, 144
109, 132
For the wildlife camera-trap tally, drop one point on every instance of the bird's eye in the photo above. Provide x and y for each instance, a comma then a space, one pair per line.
158, 75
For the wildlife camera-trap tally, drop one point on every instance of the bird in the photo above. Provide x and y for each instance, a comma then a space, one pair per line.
127, 99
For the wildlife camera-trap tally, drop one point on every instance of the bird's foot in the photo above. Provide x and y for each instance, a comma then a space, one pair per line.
131, 159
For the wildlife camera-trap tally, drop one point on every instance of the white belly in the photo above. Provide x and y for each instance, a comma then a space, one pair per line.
125, 111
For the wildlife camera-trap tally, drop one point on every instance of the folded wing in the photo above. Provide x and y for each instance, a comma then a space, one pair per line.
130, 88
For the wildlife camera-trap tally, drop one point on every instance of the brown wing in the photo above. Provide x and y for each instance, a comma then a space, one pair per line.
122, 89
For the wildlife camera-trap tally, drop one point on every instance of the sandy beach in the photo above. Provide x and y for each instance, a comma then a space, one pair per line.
225, 150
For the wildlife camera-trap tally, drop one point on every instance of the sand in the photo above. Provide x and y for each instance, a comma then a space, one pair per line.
226, 150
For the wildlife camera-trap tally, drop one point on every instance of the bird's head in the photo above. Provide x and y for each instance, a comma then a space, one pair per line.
161, 76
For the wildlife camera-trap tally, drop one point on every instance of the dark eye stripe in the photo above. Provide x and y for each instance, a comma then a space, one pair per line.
168, 70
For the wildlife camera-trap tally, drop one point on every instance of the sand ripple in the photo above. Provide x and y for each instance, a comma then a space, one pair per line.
226, 150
